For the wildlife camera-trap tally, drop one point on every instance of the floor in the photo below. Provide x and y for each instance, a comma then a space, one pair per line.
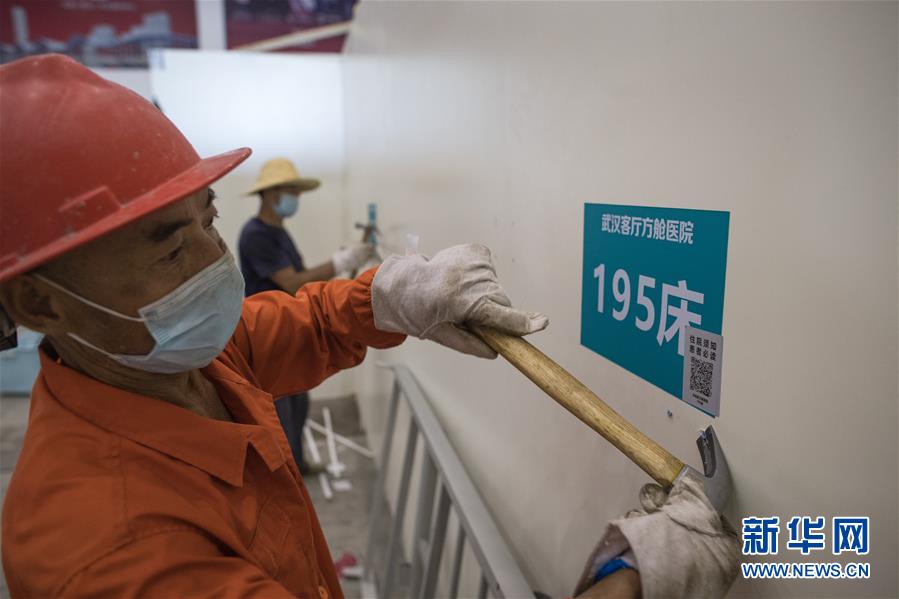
344, 518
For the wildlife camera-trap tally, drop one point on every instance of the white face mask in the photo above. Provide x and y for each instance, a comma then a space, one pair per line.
191, 325
288, 204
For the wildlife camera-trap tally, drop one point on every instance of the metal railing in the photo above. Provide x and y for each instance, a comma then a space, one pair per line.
442, 478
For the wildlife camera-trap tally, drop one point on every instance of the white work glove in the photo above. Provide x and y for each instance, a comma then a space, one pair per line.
351, 258
428, 298
678, 543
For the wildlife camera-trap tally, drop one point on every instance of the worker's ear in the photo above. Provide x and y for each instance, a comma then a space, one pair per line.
31, 303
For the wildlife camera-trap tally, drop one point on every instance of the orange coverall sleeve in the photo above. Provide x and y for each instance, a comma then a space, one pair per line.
292, 344
179, 563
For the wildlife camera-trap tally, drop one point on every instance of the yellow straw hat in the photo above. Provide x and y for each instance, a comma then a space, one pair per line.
281, 171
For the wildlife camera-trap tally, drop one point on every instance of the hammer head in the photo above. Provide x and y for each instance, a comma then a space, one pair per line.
717, 475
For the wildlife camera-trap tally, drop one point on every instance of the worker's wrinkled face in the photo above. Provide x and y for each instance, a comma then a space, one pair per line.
126, 270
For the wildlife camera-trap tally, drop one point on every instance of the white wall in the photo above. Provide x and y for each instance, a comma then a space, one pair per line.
495, 123
279, 105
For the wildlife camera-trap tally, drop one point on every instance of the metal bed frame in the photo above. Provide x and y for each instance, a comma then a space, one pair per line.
442, 479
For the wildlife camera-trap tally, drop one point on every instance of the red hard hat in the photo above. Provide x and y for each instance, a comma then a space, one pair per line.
81, 156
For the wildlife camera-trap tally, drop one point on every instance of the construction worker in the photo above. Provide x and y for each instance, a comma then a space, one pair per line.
154, 464
270, 261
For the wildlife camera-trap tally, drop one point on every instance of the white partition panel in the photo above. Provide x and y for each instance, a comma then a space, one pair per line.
495, 122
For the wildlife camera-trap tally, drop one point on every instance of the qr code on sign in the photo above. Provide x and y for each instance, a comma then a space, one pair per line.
701, 376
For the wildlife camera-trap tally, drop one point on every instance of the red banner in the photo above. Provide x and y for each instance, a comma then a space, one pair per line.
252, 21
99, 33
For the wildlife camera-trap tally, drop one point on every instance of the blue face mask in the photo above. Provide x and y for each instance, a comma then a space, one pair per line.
191, 325
288, 204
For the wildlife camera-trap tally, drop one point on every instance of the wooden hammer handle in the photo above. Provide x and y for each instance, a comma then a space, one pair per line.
559, 384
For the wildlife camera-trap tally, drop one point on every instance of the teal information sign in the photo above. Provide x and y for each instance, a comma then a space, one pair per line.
648, 274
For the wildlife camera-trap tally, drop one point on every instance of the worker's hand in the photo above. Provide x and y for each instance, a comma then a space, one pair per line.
677, 541
429, 298
352, 257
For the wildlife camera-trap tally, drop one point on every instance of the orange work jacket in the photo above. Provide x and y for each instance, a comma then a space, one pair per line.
117, 494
